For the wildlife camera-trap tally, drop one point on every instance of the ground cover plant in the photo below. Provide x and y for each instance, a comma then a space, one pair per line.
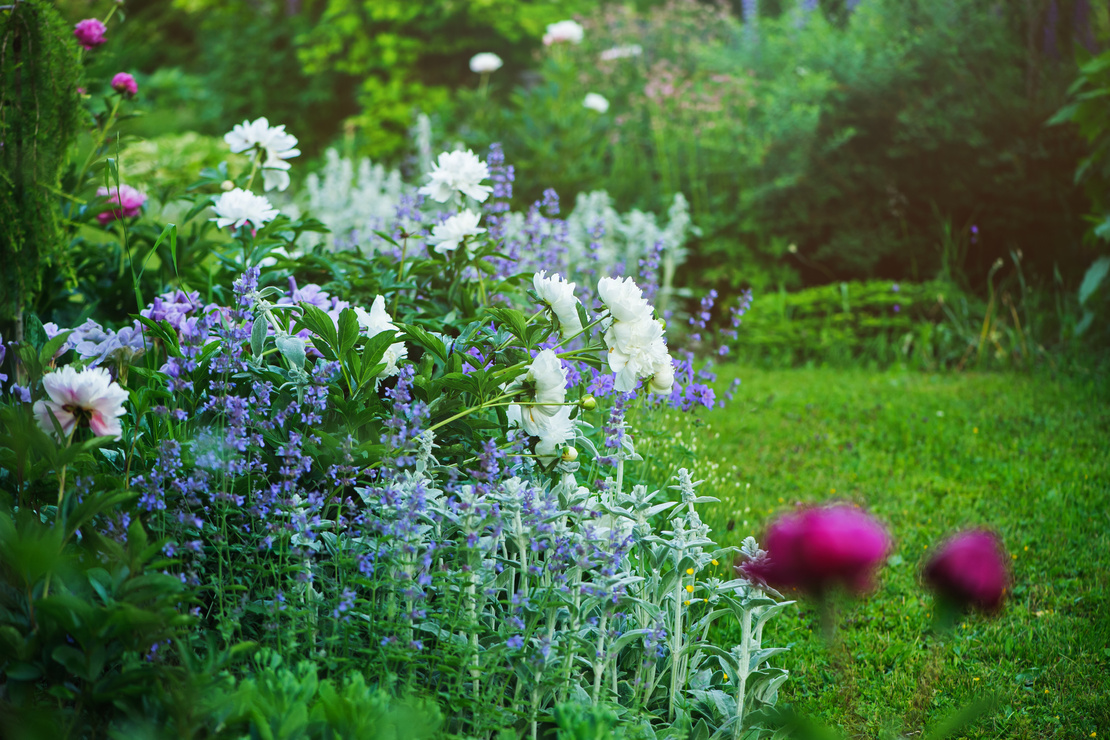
1022, 455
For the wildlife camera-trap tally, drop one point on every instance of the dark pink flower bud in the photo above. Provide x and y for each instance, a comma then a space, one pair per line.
90, 32
125, 84
970, 569
129, 200
817, 548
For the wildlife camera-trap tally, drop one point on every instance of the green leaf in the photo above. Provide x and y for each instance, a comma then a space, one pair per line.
162, 330
320, 324
348, 331
514, 319
292, 349
426, 340
51, 347
23, 671
72, 659
1093, 278
258, 336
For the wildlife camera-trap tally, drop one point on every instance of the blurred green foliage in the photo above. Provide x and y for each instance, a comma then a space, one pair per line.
321, 67
1089, 112
849, 135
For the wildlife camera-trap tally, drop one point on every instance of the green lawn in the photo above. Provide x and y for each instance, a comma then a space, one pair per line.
1026, 455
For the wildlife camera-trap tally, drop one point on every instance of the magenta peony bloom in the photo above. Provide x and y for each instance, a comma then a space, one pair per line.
814, 549
125, 84
970, 569
88, 396
90, 32
128, 198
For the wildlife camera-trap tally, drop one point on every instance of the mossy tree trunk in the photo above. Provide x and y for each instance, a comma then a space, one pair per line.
39, 73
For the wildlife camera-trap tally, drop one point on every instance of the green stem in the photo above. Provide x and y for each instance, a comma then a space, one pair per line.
254, 170
101, 133
742, 679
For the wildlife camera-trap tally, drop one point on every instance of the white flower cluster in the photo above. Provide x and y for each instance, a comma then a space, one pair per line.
375, 321
621, 52
564, 32
558, 295
356, 203
485, 63
447, 236
272, 142
596, 102
239, 207
457, 172
544, 413
634, 338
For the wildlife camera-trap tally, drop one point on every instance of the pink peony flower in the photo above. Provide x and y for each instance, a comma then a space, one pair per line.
816, 548
970, 569
125, 84
79, 397
128, 198
90, 32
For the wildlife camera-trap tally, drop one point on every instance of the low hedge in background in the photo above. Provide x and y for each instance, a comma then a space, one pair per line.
844, 323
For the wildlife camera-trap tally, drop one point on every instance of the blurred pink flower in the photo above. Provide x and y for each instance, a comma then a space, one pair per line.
820, 547
129, 200
125, 84
971, 570
90, 33
77, 397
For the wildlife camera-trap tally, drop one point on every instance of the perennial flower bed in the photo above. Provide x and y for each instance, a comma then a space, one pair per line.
429, 484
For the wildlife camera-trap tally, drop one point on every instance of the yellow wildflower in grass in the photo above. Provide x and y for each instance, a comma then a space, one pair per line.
689, 571
689, 589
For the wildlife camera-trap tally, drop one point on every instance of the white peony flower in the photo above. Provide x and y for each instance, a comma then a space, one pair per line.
569, 31
596, 102
377, 321
558, 294
622, 52
457, 172
636, 350
555, 432
485, 63
239, 207
546, 387
663, 379
624, 299
275, 144
79, 396
448, 235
